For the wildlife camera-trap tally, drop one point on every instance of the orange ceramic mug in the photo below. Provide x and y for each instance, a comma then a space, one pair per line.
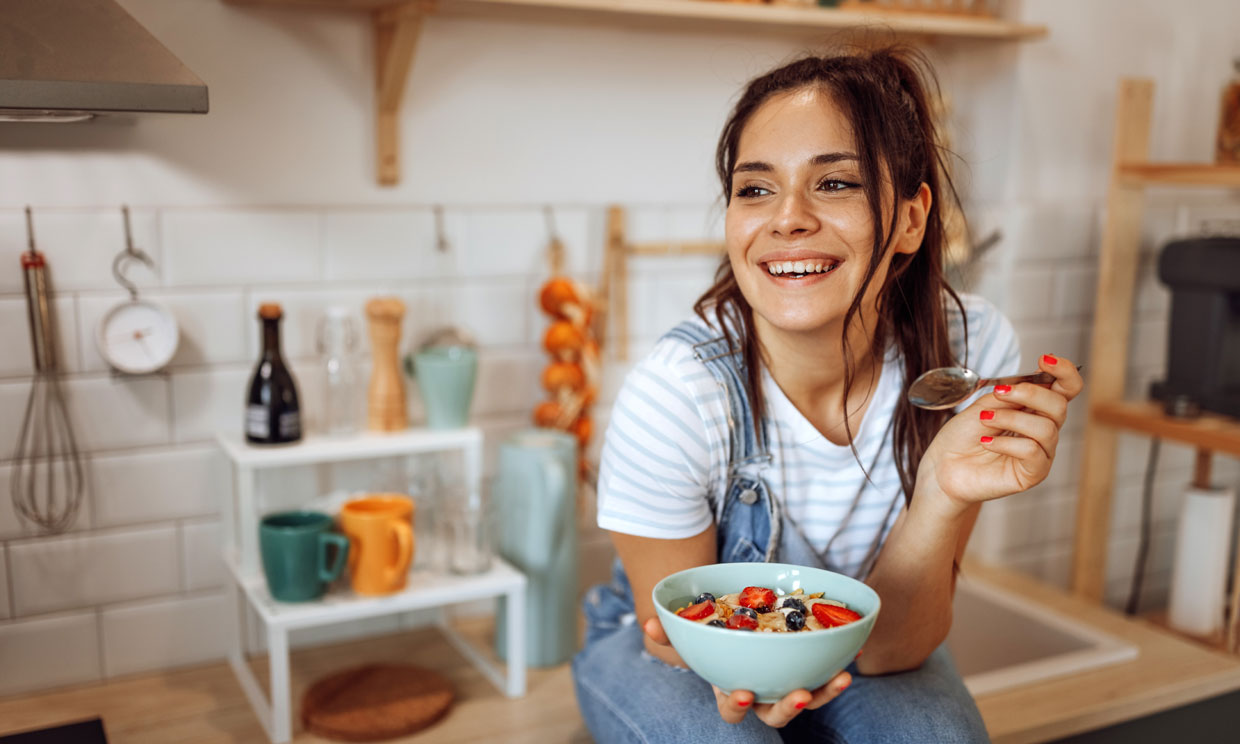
380, 531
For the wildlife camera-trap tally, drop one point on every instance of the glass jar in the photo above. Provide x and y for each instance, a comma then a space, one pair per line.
337, 344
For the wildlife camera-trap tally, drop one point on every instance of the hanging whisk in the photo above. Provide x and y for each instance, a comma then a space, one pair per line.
47, 470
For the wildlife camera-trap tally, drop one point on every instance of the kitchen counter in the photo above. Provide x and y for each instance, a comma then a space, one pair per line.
1168, 672
205, 704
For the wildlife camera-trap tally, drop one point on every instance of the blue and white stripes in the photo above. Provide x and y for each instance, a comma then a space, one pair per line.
664, 463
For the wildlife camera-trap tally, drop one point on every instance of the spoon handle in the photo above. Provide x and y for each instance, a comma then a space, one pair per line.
1037, 378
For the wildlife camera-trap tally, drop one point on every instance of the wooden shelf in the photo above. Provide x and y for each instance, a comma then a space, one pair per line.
788, 16
397, 25
1208, 432
1180, 174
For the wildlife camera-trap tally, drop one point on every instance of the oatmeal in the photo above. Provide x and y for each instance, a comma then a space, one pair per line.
759, 609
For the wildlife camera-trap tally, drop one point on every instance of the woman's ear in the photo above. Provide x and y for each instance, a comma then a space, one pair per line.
913, 222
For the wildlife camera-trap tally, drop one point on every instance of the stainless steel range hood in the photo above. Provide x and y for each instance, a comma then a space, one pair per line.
64, 60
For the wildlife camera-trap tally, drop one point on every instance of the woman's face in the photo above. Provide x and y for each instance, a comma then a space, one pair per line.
799, 230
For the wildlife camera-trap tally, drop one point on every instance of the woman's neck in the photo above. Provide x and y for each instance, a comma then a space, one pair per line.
809, 368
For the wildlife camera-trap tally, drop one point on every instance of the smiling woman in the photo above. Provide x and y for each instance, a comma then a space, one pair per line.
773, 426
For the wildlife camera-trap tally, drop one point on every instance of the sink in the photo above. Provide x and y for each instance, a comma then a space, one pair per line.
1001, 640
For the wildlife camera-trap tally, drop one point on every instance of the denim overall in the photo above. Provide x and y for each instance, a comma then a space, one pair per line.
627, 695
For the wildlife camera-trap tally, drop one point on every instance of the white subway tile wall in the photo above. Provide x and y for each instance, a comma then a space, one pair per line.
4, 585
49, 652
80, 571
156, 486
140, 571
201, 563
159, 634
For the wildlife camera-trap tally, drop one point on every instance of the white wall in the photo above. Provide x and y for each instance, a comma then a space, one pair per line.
271, 197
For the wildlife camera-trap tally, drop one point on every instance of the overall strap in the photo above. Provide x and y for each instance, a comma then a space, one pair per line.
748, 445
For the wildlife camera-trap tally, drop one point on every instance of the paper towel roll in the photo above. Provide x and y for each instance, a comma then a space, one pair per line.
1199, 571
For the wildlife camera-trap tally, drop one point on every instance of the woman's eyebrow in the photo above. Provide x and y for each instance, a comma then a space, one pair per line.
826, 158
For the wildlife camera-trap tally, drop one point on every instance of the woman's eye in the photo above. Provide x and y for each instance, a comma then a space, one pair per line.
834, 184
748, 192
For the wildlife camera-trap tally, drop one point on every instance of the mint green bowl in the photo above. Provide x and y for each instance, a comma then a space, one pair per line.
770, 665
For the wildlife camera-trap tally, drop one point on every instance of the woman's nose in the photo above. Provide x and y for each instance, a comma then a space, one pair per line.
794, 216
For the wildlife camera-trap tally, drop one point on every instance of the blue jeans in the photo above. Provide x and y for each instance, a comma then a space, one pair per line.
629, 697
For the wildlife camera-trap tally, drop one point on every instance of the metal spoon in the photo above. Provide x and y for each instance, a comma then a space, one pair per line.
945, 387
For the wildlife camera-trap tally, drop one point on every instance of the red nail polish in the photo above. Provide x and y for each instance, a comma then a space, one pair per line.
743, 703
987, 415
1049, 359
799, 705
1002, 389
987, 440
845, 685
859, 651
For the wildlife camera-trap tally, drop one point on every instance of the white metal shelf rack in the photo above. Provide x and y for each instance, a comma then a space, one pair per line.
425, 589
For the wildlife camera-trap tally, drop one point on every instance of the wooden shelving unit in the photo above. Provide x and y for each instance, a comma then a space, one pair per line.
397, 24
1109, 413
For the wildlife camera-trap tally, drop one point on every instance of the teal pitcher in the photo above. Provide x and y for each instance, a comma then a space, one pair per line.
535, 495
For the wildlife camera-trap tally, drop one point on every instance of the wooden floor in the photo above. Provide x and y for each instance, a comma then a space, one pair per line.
205, 704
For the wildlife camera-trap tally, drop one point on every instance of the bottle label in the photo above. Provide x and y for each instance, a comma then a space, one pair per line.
290, 425
257, 423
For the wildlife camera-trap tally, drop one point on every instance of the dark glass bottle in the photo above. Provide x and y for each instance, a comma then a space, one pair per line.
272, 413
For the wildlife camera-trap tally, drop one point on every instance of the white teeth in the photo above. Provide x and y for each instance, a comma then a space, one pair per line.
777, 268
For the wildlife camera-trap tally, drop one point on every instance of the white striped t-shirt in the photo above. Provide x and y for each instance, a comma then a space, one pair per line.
664, 468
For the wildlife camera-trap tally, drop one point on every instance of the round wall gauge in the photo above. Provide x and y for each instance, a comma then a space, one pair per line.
137, 336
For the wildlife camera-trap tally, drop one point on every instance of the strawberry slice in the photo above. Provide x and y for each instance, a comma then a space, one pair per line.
698, 611
832, 615
757, 598
741, 621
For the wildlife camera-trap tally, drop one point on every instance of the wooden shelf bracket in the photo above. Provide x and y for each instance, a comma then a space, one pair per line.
396, 30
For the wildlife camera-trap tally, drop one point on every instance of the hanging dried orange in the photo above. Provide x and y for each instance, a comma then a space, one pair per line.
555, 294
582, 428
547, 413
563, 338
561, 375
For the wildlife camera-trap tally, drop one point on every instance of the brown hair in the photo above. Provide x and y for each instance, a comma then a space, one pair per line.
884, 94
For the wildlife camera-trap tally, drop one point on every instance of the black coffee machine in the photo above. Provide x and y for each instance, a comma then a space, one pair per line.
1203, 356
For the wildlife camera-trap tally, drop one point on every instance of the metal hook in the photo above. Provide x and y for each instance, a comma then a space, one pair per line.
441, 239
129, 254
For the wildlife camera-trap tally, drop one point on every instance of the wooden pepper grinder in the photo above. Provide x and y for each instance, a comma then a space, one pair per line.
386, 409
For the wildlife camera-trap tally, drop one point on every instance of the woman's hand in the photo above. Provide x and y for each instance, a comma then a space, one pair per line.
1005, 442
734, 706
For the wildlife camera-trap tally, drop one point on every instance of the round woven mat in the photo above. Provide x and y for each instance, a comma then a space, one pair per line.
375, 702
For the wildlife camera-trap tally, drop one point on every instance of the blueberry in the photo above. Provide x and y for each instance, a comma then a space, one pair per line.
719, 623
795, 620
704, 597
794, 603
746, 611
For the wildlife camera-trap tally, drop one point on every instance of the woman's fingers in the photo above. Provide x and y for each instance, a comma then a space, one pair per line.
654, 629
1068, 380
733, 706
778, 714
1038, 428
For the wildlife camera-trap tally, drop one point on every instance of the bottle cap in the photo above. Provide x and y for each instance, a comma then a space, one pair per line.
270, 311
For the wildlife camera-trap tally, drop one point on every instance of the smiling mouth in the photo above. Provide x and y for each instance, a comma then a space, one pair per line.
798, 269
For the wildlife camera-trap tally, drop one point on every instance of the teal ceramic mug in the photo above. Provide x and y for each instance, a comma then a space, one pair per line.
445, 377
295, 547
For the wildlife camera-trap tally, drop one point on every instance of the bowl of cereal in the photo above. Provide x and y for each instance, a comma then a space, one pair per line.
769, 628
